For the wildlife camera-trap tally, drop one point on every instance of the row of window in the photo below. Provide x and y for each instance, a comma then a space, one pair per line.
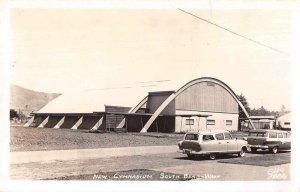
208, 122
219, 136
271, 134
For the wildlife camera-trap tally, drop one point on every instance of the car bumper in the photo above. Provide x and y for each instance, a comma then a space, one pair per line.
191, 152
258, 146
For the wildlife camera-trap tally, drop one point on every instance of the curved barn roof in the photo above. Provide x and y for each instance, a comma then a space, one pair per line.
184, 87
127, 95
121, 94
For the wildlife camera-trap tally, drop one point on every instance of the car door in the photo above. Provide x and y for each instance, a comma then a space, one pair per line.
286, 141
231, 143
209, 143
222, 144
280, 140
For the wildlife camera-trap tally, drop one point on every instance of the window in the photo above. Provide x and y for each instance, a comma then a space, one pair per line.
208, 137
279, 135
220, 136
258, 134
227, 136
189, 121
210, 122
272, 135
261, 134
228, 122
191, 137
286, 135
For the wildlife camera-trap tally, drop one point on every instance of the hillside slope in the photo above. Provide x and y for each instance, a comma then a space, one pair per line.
28, 100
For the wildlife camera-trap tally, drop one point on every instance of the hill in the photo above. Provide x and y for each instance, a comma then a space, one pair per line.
28, 100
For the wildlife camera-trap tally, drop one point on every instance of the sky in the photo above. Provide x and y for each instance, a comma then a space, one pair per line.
65, 50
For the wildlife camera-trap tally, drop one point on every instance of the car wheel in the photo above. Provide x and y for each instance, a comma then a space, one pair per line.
242, 152
212, 156
274, 150
253, 150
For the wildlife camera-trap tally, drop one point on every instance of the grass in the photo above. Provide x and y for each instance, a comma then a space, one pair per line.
130, 175
265, 160
37, 139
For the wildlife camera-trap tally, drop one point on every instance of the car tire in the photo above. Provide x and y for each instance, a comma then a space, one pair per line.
274, 150
212, 156
253, 150
242, 152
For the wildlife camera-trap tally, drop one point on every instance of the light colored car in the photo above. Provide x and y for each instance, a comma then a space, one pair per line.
211, 143
272, 140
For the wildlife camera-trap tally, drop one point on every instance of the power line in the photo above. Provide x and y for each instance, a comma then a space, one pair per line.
230, 31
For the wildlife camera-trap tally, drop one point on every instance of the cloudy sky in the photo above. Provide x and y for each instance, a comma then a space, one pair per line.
62, 50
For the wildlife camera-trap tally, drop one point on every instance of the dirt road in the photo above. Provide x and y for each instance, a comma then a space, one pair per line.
224, 168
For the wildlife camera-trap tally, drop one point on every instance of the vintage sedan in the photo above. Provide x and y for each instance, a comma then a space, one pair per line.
211, 143
271, 140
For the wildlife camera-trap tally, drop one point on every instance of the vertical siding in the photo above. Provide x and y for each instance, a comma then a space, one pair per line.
112, 121
206, 96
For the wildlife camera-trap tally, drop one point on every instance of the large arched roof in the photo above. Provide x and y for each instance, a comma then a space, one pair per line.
120, 94
184, 87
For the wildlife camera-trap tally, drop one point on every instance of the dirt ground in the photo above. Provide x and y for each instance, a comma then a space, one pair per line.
173, 166
41, 139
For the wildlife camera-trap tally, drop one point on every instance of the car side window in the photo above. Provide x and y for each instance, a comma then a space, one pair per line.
272, 135
191, 137
220, 136
208, 138
227, 136
279, 135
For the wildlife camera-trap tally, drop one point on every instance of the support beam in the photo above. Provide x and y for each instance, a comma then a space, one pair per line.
78, 123
61, 121
44, 122
133, 110
28, 123
98, 124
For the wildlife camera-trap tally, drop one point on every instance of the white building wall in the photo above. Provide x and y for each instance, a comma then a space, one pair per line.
284, 121
200, 123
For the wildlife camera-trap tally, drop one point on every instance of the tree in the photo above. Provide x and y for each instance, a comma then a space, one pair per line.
245, 103
282, 109
13, 114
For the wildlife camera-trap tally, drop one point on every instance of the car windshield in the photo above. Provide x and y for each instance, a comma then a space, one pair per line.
258, 134
191, 137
